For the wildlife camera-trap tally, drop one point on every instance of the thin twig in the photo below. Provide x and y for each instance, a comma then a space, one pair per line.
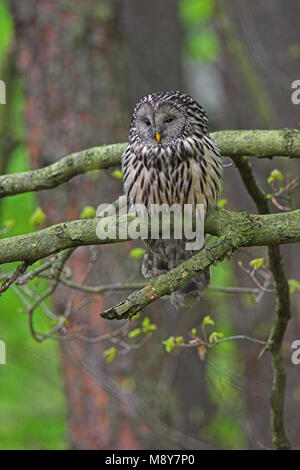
140, 284
223, 340
282, 313
13, 277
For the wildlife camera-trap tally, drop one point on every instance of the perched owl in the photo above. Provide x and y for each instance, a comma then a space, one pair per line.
171, 159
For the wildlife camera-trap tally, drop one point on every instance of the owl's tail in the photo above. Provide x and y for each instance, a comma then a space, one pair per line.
192, 292
161, 256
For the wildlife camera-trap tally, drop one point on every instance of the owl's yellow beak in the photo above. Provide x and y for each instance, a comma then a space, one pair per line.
158, 136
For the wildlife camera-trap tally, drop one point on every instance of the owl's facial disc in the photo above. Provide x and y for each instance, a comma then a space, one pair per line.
160, 124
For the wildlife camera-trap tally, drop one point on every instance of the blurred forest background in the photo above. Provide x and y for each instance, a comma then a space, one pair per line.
74, 71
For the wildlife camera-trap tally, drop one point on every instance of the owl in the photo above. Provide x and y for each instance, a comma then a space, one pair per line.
171, 159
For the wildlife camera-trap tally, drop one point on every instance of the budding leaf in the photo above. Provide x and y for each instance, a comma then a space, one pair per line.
137, 253
88, 212
169, 344
222, 203
136, 316
215, 336
134, 333
275, 175
256, 263
179, 340
38, 217
294, 285
148, 327
109, 354
207, 320
117, 174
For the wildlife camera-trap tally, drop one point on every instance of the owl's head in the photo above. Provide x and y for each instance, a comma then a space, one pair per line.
160, 118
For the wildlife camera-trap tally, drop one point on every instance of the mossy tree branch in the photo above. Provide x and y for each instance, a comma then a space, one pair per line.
272, 229
257, 143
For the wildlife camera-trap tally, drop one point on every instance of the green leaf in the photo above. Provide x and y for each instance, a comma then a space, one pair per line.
207, 320
294, 285
136, 316
38, 218
256, 263
88, 212
148, 327
179, 340
109, 354
152, 327
117, 174
145, 322
275, 175
215, 336
169, 344
137, 253
222, 203
134, 333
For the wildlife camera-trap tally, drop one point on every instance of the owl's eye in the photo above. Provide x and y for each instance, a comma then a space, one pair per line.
170, 119
147, 122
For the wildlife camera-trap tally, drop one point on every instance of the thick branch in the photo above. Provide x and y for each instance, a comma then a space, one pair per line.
61, 171
256, 143
272, 229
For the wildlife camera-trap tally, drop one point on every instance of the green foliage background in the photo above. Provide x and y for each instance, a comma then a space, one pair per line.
32, 403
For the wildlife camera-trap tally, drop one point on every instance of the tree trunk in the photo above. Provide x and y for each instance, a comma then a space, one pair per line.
77, 60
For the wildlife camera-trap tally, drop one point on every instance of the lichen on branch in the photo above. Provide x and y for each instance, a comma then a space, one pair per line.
271, 229
232, 143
